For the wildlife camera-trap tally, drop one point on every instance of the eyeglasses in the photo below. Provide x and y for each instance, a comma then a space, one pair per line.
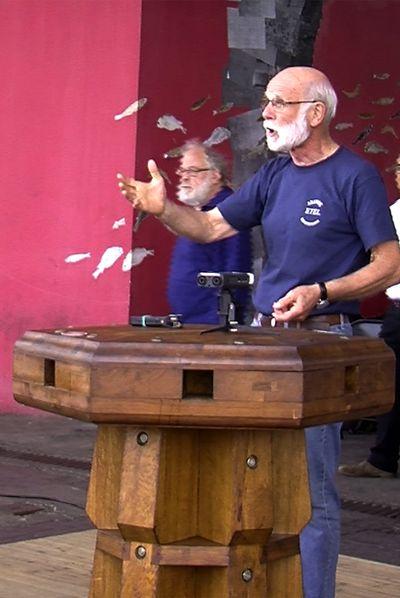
190, 171
279, 104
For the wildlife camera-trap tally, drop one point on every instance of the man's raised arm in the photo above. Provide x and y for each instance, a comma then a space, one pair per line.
151, 198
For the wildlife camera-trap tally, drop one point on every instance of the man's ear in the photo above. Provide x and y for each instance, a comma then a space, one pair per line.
216, 176
317, 114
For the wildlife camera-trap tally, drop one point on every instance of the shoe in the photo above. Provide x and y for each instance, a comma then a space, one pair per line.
364, 470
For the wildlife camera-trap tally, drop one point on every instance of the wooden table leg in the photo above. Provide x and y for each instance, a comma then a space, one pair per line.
197, 513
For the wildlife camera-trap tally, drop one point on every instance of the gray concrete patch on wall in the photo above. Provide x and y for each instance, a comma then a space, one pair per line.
264, 36
258, 8
245, 32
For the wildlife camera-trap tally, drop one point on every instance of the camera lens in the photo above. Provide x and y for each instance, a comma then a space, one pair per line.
201, 280
216, 281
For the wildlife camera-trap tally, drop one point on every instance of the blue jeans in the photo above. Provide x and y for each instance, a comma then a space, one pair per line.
320, 538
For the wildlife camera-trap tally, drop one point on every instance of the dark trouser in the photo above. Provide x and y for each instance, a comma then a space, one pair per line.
385, 453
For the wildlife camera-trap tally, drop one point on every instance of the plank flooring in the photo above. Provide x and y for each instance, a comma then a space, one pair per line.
59, 567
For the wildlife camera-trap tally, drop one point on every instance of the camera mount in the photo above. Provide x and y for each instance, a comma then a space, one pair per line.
225, 283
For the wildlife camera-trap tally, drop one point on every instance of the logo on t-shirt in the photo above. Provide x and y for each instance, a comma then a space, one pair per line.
312, 212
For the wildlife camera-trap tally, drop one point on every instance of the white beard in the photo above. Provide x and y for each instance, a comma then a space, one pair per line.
197, 197
290, 136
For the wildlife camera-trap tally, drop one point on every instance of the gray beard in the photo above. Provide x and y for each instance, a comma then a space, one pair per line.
290, 136
196, 198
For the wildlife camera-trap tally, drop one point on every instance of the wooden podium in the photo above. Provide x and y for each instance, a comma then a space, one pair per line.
199, 482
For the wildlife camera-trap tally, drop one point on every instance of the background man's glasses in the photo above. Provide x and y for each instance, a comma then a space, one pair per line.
279, 104
190, 171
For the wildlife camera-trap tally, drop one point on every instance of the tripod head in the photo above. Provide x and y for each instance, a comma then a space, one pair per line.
225, 283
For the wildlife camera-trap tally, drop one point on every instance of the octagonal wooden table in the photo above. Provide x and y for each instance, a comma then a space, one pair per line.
199, 483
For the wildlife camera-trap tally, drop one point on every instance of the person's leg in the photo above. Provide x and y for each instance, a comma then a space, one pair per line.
320, 539
385, 454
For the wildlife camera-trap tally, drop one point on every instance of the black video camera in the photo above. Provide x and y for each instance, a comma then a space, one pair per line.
225, 280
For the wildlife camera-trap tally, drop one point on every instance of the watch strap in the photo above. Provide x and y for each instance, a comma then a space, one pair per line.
323, 291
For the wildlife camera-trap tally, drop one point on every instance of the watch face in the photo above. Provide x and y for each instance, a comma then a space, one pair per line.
321, 304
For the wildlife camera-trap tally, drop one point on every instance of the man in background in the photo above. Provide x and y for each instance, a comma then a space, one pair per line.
383, 458
203, 184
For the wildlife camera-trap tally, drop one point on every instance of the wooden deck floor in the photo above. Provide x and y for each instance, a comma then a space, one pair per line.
59, 567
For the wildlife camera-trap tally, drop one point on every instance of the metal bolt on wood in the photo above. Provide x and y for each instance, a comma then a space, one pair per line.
247, 575
252, 462
142, 438
140, 552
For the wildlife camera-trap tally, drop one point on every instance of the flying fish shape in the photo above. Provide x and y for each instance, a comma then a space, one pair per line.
131, 109
107, 260
135, 257
175, 152
165, 176
389, 129
223, 108
170, 122
200, 103
354, 92
118, 223
381, 76
343, 126
139, 219
219, 135
383, 101
76, 257
371, 147
363, 134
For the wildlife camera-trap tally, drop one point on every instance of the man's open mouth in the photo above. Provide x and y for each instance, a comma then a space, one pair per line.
271, 132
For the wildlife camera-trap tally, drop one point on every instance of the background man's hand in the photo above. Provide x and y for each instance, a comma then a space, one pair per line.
297, 303
148, 197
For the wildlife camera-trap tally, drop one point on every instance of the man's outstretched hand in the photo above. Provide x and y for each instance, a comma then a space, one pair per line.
148, 197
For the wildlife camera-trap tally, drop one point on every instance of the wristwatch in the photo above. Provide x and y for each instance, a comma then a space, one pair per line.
323, 299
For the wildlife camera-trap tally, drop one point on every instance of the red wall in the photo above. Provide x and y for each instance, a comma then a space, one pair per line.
183, 53
357, 40
67, 67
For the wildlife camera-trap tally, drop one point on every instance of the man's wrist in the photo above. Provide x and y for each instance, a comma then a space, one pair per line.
323, 300
164, 213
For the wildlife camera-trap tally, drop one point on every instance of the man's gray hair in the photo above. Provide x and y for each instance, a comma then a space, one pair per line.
214, 159
322, 90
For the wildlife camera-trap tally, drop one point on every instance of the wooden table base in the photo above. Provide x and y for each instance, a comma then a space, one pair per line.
197, 513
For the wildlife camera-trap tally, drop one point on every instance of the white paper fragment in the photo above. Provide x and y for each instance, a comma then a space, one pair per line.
131, 109
108, 258
118, 223
170, 122
76, 257
135, 257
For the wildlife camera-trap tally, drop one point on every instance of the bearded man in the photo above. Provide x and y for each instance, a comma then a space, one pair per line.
203, 185
330, 241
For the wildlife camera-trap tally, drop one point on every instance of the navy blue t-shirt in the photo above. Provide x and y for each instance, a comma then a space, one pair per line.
319, 222
198, 304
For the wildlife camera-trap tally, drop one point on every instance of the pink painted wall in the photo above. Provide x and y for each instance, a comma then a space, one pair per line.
67, 68
356, 47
